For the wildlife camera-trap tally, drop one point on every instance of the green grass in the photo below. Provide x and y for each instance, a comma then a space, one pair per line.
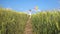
12, 22
46, 22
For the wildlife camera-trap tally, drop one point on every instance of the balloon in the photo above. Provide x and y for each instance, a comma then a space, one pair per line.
36, 8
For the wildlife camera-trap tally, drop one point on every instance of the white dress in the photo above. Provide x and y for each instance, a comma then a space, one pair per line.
29, 13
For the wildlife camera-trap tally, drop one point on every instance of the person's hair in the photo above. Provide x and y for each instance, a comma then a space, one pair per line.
30, 10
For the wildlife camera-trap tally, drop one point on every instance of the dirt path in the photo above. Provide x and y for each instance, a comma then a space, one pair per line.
28, 27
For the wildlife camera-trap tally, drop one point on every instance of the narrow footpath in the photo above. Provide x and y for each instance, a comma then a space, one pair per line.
28, 27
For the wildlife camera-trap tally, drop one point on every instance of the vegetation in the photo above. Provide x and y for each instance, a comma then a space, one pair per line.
47, 22
12, 22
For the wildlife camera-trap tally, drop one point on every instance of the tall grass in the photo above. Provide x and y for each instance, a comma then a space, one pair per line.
12, 22
47, 22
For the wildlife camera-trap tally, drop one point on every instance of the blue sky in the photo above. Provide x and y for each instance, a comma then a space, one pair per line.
23, 5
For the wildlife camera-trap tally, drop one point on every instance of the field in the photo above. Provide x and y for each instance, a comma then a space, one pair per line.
44, 22
47, 22
12, 22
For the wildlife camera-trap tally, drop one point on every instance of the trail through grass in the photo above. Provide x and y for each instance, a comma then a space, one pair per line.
28, 27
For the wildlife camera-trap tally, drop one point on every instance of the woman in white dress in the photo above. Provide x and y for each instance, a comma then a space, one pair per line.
30, 13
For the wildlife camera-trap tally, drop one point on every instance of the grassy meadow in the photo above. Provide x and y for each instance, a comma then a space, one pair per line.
44, 22
12, 22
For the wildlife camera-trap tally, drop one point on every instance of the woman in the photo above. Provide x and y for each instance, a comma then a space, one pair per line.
30, 13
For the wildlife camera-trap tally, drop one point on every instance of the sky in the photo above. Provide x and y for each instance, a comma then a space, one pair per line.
23, 5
